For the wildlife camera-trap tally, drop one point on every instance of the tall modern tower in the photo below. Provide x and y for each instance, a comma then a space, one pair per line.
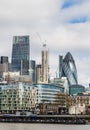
33, 71
60, 66
45, 64
20, 54
38, 73
68, 69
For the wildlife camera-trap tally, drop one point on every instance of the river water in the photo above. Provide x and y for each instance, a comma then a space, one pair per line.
22, 126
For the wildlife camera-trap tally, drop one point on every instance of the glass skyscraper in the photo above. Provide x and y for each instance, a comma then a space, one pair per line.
33, 71
67, 68
20, 54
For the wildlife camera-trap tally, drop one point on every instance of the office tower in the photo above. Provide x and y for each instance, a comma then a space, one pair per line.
33, 71
20, 54
38, 73
60, 65
45, 64
68, 69
4, 59
4, 66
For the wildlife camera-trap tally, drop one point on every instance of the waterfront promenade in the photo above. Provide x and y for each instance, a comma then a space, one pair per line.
60, 119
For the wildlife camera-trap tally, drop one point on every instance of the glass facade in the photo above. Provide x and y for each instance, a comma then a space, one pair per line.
17, 96
47, 93
21, 96
20, 54
33, 71
75, 89
68, 69
4, 59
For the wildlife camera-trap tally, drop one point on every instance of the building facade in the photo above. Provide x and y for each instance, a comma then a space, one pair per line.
47, 93
4, 65
21, 54
23, 96
75, 89
38, 73
32, 71
45, 64
4, 59
63, 82
67, 68
79, 104
17, 96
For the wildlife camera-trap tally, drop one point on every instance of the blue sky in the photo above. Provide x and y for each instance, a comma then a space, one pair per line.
63, 24
70, 3
78, 20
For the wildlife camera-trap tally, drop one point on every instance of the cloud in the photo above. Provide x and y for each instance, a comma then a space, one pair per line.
83, 66
54, 21
76, 11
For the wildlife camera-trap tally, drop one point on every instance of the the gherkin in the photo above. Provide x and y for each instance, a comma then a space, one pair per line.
68, 69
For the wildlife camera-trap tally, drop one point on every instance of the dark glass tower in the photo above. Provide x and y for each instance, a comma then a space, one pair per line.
4, 59
20, 54
33, 70
68, 69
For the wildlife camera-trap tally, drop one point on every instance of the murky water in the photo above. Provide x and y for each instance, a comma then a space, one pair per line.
22, 126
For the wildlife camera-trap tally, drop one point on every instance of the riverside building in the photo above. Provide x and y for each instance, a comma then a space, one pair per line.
22, 96
47, 93
17, 96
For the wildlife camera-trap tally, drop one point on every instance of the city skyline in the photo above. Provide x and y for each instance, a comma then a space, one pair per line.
64, 25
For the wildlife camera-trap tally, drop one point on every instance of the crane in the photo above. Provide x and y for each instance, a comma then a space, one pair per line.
42, 42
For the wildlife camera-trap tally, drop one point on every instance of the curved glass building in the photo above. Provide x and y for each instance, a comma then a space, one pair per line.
47, 93
68, 69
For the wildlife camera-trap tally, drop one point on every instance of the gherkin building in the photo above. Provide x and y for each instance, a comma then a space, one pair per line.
67, 68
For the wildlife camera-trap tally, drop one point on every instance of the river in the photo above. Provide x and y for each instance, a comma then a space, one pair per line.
22, 126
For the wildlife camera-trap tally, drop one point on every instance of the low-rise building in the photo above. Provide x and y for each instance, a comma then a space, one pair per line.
76, 88
79, 104
17, 96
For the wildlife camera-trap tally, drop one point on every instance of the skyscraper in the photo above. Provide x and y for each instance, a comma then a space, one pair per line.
68, 69
33, 71
4, 65
45, 64
20, 54
38, 73
60, 65
4, 59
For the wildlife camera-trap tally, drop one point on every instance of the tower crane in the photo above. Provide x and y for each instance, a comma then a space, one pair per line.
42, 42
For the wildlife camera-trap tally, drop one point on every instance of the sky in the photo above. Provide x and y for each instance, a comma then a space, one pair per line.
64, 25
